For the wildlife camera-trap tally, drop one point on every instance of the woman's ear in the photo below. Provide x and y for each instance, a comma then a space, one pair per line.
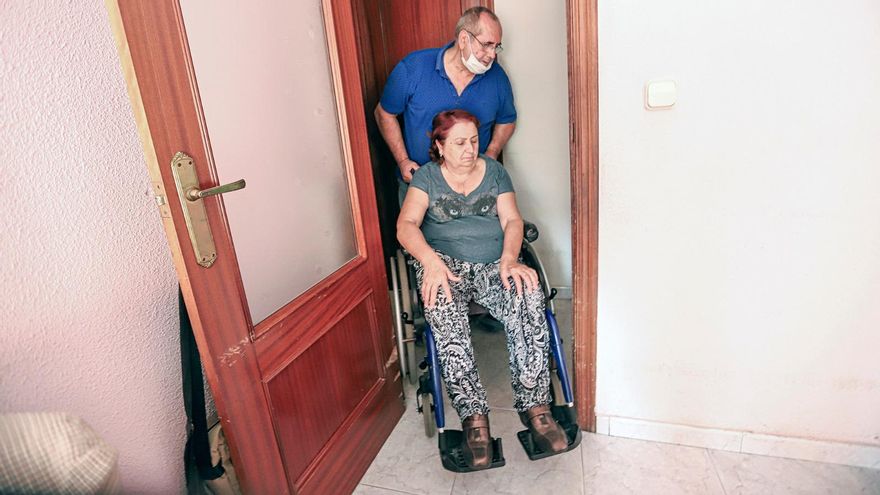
439, 147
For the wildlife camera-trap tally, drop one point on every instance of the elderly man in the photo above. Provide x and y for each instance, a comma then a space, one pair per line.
462, 74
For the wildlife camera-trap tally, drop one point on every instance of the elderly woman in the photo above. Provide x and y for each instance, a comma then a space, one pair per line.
461, 223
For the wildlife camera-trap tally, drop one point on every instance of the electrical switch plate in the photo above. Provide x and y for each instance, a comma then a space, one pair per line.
659, 94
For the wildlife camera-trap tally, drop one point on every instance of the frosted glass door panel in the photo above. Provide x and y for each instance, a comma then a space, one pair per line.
273, 121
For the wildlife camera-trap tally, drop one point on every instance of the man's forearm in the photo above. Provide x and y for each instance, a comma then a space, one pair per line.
389, 127
500, 135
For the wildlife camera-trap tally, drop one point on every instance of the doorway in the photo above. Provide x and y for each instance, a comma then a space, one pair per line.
388, 30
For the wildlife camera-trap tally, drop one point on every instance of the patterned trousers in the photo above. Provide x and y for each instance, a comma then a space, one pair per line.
528, 336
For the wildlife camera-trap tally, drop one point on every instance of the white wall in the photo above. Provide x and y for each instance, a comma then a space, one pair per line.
89, 293
535, 58
739, 237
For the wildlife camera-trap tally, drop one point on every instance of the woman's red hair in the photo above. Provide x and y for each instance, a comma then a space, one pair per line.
444, 121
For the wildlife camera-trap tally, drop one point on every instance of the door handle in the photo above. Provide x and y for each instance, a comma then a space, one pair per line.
184, 171
194, 193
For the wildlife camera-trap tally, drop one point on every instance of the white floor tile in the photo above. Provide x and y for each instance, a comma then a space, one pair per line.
755, 474
374, 490
625, 466
409, 461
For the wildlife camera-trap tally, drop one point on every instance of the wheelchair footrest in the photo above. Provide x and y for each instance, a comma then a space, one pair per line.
563, 415
452, 458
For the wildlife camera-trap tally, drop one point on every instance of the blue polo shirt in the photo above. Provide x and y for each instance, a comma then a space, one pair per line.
419, 88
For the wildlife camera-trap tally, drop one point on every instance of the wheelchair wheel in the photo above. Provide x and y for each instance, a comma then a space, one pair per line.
428, 414
555, 384
408, 307
425, 400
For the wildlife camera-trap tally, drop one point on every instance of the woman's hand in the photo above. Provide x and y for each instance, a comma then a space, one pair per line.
522, 275
436, 276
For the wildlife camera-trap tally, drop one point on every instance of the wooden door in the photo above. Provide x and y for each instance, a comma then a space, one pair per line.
296, 340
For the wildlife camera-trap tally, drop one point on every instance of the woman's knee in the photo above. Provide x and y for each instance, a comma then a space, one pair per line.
534, 299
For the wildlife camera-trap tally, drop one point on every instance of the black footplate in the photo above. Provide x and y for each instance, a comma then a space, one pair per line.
566, 418
451, 455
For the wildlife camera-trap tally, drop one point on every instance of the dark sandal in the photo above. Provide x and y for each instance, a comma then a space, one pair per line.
546, 432
477, 444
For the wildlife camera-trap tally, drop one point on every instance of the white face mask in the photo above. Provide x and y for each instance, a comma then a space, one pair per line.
473, 64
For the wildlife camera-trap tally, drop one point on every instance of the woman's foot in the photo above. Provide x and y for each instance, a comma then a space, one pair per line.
477, 445
546, 432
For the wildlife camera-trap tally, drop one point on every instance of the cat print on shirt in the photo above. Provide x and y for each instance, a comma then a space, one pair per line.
449, 207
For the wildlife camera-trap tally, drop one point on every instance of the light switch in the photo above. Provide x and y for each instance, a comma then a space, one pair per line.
659, 94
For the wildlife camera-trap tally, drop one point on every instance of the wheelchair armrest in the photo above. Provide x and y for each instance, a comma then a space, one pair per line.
530, 232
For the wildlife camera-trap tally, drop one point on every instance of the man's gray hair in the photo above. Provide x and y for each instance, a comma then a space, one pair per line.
470, 20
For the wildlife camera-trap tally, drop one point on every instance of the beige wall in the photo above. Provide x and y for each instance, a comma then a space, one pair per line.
537, 156
739, 270
89, 294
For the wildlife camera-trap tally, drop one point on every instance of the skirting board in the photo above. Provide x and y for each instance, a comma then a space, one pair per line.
849, 454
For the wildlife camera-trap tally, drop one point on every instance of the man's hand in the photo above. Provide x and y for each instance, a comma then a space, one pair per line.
407, 169
500, 136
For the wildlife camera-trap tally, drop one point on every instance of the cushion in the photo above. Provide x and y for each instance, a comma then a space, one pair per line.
54, 453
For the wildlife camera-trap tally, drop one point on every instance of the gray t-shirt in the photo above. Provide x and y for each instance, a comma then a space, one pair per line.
464, 227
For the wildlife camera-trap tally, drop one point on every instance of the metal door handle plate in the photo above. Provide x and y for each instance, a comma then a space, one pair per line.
184, 171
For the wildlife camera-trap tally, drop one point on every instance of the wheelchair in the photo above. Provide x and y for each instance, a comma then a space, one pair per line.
414, 332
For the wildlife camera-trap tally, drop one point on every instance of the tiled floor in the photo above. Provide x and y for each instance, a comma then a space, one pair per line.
410, 464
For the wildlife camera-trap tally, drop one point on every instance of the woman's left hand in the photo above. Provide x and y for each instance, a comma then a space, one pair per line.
522, 275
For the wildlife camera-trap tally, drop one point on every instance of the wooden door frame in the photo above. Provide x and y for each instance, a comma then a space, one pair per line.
583, 108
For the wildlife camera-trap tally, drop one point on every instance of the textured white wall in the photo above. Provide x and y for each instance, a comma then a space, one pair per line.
535, 58
739, 269
89, 293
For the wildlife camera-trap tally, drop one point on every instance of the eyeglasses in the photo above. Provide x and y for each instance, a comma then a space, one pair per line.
495, 47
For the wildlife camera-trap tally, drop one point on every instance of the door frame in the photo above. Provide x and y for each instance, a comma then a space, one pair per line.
583, 88
583, 108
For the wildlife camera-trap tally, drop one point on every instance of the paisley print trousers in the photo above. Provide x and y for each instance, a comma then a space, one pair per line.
525, 324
